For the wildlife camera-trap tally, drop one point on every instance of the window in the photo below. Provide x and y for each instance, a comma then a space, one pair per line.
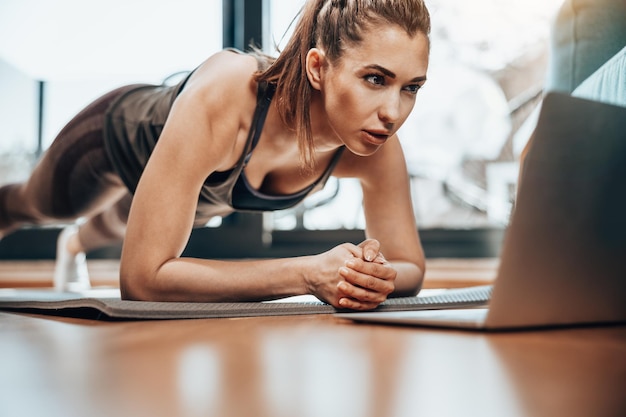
487, 65
462, 141
79, 50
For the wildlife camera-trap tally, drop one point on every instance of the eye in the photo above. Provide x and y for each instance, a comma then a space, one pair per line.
413, 88
375, 79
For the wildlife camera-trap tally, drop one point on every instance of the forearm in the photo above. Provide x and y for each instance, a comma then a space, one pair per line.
322, 275
409, 279
202, 280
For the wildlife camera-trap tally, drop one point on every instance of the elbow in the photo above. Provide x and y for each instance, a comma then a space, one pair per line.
135, 284
129, 288
419, 282
411, 290
419, 276
411, 284
417, 287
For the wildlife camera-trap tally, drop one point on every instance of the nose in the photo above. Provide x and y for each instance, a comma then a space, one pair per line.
389, 111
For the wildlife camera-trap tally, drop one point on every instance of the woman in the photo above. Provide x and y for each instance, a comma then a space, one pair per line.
245, 132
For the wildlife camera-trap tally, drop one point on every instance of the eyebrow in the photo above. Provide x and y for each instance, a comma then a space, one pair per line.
391, 74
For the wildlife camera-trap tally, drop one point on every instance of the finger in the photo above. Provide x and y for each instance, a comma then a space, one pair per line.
353, 250
356, 305
371, 249
376, 292
380, 259
374, 269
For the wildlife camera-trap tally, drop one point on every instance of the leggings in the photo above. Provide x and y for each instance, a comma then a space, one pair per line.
73, 180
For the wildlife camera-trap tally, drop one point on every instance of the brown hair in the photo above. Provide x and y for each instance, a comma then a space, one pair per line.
331, 25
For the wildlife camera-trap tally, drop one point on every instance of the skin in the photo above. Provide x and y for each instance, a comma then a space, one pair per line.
359, 101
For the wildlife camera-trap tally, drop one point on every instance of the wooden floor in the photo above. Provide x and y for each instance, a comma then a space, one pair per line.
311, 365
440, 273
40, 273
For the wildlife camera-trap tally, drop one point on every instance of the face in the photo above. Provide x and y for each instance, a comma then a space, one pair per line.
369, 92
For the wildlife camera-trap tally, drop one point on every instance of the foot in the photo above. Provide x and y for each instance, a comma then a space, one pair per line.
70, 273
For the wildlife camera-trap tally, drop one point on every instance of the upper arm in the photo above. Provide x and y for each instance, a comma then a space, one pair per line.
199, 137
387, 201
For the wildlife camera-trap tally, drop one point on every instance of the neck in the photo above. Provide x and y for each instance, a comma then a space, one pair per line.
324, 137
282, 140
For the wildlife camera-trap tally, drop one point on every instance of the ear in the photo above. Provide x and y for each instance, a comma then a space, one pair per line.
315, 62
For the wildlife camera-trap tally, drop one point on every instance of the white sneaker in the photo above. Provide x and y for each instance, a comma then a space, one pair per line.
70, 272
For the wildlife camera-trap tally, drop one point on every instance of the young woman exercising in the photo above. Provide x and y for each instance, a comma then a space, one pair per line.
147, 163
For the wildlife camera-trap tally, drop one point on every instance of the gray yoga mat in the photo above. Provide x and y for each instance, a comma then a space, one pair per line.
105, 304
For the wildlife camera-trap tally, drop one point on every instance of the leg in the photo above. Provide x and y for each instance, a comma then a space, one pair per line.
73, 179
103, 229
106, 228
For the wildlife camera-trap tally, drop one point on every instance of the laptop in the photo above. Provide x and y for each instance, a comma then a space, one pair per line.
563, 259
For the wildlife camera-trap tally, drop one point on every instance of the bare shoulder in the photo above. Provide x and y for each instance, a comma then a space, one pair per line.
224, 77
212, 113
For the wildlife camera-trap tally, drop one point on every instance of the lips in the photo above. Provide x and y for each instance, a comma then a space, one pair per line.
375, 137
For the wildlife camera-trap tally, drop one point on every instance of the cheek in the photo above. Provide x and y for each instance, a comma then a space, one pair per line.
339, 100
406, 110
347, 104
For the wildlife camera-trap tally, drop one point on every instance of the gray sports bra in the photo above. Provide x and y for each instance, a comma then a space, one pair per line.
243, 195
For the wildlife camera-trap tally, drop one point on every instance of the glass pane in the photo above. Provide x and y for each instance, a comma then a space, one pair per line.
463, 139
281, 15
18, 118
81, 49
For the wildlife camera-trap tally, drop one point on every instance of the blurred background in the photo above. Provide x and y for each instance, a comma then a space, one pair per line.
462, 141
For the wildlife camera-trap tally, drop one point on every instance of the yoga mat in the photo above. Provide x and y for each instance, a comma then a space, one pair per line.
106, 304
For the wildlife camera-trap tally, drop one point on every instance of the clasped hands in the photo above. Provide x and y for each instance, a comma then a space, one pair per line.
356, 277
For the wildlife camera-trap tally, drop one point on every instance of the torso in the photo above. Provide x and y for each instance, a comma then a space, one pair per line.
274, 168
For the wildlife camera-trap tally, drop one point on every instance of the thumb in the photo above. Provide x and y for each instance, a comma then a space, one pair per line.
371, 249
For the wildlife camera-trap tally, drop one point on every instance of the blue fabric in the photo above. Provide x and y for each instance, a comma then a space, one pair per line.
608, 83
